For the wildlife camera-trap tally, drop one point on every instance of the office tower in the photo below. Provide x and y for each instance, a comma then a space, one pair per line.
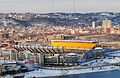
93, 25
106, 24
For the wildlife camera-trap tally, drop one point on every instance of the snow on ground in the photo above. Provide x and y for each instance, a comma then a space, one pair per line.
8, 76
50, 73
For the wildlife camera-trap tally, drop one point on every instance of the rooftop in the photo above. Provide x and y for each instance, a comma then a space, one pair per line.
71, 41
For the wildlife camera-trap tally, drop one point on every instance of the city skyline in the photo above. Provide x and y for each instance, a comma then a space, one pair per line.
46, 6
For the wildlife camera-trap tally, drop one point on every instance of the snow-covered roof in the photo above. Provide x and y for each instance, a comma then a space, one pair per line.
71, 41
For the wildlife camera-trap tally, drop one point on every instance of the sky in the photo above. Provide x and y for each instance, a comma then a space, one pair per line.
47, 6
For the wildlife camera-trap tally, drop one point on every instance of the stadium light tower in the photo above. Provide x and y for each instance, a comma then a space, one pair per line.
53, 5
74, 6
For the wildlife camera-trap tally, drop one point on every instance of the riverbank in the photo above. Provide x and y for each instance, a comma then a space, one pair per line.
52, 73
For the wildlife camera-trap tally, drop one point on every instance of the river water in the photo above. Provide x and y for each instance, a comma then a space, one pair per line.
108, 74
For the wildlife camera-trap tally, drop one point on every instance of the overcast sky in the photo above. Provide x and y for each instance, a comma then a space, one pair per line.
45, 6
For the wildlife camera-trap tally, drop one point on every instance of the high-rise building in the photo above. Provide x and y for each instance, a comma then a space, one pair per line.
106, 24
93, 25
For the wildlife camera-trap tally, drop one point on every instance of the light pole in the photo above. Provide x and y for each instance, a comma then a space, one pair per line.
74, 12
53, 5
74, 6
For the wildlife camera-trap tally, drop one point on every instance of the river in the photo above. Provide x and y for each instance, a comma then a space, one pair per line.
106, 74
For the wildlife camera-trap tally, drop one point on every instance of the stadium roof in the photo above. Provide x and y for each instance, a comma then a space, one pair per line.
40, 49
72, 41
